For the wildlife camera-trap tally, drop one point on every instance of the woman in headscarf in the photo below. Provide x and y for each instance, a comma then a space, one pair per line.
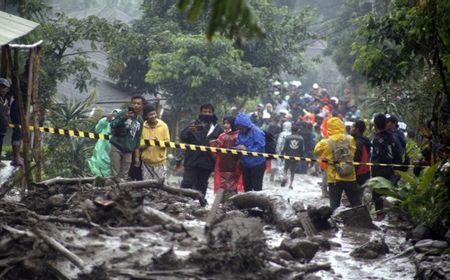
227, 170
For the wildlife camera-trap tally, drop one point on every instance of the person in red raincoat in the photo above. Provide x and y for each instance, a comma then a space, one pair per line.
227, 170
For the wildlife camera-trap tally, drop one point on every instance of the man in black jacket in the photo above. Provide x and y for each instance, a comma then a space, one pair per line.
198, 165
385, 150
293, 146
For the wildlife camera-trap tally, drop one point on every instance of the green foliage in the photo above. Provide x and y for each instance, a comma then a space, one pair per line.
231, 17
66, 156
426, 198
197, 71
340, 32
285, 41
413, 36
181, 65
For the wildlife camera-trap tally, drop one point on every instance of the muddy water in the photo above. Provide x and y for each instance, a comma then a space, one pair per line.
307, 190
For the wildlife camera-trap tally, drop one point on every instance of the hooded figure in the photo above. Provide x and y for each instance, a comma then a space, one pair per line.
251, 139
100, 162
286, 131
336, 183
227, 170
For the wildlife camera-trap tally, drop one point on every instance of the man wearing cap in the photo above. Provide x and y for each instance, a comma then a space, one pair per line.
153, 157
4, 116
126, 131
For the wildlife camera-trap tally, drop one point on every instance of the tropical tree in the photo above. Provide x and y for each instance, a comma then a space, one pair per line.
411, 43
279, 51
69, 114
196, 71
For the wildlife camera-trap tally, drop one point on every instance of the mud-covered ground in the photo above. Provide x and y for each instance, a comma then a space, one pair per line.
103, 230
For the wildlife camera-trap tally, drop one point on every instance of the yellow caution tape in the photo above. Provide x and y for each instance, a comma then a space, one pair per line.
192, 147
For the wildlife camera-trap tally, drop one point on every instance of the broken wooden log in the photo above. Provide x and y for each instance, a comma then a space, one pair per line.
307, 225
157, 184
213, 211
176, 273
310, 268
55, 245
280, 211
151, 216
71, 181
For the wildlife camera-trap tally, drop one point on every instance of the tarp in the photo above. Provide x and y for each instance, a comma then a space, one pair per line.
13, 27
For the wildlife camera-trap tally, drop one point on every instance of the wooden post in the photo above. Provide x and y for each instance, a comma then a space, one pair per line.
23, 119
4, 63
36, 115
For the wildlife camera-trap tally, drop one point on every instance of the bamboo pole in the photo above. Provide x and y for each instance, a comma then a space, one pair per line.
23, 118
36, 115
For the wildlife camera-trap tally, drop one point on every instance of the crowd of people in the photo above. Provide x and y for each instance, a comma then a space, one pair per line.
324, 129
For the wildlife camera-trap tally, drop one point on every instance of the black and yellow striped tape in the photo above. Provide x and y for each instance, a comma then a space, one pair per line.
192, 147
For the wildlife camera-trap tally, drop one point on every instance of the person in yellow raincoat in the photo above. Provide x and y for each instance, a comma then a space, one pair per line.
336, 183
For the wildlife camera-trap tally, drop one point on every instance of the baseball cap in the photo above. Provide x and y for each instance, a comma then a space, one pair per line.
5, 82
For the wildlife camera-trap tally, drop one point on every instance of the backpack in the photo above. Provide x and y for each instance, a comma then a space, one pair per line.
271, 144
342, 157
363, 168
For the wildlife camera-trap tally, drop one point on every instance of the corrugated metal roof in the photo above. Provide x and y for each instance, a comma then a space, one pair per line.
13, 27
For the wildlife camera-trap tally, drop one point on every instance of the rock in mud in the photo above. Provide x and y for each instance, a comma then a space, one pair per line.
322, 241
300, 249
56, 200
320, 217
358, 216
372, 249
432, 267
297, 232
235, 244
447, 236
420, 232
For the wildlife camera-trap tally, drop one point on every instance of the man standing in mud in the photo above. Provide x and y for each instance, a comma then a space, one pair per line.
199, 165
339, 180
153, 157
251, 139
126, 131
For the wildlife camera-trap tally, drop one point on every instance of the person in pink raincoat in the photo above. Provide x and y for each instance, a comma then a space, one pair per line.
227, 170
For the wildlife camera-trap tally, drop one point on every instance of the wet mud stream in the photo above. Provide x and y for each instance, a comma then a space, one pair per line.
96, 230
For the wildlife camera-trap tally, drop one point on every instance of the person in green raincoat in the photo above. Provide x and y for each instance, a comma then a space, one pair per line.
100, 163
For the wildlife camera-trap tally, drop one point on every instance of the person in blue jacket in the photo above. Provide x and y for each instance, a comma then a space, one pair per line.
252, 139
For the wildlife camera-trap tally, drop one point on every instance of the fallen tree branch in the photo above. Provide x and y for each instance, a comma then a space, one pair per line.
312, 267
69, 181
17, 233
72, 221
284, 217
156, 184
8, 261
55, 245
136, 274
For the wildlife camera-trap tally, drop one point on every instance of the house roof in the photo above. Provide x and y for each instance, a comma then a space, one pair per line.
13, 27
105, 12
